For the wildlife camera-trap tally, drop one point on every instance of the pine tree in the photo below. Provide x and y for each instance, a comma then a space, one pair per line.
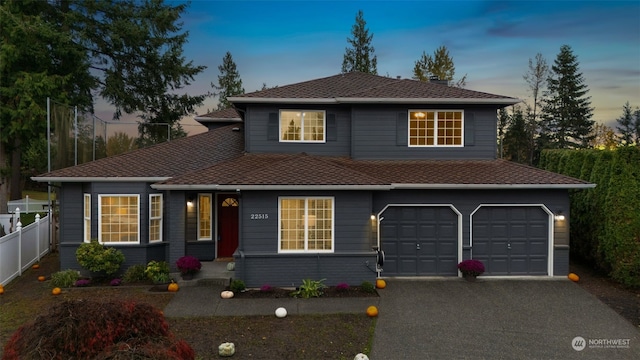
360, 56
627, 125
566, 115
516, 138
229, 82
636, 115
439, 66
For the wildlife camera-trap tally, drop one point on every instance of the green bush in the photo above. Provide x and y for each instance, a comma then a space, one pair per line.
310, 288
237, 286
64, 279
368, 287
135, 273
98, 258
158, 272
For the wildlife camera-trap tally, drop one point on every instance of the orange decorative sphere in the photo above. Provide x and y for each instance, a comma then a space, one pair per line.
381, 284
173, 287
573, 277
56, 291
372, 311
36, 266
41, 278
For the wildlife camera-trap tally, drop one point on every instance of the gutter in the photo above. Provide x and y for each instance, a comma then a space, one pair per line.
267, 187
356, 100
98, 179
491, 186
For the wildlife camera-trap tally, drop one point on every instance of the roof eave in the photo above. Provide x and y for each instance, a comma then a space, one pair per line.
209, 119
357, 100
98, 179
249, 187
490, 186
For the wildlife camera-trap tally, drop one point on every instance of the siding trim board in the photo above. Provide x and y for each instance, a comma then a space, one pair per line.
379, 218
550, 230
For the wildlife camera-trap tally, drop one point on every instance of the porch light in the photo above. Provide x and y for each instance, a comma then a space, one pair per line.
373, 217
189, 203
559, 216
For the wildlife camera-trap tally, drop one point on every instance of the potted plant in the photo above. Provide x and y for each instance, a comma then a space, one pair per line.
188, 265
471, 268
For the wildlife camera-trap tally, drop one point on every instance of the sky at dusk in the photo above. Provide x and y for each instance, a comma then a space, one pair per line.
285, 42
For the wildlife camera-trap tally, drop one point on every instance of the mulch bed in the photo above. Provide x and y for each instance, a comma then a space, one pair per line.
329, 292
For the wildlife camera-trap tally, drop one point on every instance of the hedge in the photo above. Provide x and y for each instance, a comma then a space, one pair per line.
605, 220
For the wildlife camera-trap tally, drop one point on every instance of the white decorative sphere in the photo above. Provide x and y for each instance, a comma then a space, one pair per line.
226, 349
231, 266
281, 312
361, 356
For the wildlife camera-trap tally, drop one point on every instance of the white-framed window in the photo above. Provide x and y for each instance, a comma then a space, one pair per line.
436, 128
306, 224
205, 217
86, 209
302, 126
155, 217
119, 218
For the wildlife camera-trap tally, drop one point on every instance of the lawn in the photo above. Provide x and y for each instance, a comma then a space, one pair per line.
339, 336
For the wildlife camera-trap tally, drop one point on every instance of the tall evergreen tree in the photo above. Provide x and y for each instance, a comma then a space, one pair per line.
229, 82
516, 138
439, 66
566, 115
503, 122
627, 126
636, 115
127, 52
361, 55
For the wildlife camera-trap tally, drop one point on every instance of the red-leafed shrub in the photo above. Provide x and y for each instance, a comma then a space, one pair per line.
84, 329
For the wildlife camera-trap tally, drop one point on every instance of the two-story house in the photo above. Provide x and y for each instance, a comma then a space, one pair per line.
310, 180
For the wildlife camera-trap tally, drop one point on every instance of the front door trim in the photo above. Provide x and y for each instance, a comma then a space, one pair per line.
220, 197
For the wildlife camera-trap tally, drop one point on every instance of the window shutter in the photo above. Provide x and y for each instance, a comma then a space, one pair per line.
332, 128
402, 132
272, 127
469, 129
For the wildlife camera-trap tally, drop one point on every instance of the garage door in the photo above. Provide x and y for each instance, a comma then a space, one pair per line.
511, 240
419, 241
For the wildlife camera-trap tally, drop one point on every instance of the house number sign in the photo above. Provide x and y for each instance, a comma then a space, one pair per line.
259, 216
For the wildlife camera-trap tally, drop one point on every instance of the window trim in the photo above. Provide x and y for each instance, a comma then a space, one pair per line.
435, 128
159, 218
306, 230
100, 196
210, 237
302, 140
86, 217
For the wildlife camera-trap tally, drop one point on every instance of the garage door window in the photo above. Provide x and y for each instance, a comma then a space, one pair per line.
306, 224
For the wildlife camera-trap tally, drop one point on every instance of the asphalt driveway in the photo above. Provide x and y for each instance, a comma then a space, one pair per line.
498, 319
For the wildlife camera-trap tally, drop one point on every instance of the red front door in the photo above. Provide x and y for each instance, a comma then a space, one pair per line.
227, 224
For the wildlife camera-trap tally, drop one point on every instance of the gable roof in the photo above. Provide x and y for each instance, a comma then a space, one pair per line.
310, 172
357, 87
225, 116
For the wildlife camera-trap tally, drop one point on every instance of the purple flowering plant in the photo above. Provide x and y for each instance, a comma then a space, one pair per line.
471, 267
266, 288
188, 265
82, 282
115, 282
342, 286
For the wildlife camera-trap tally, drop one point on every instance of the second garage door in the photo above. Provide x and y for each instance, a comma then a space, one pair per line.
511, 240
419, 241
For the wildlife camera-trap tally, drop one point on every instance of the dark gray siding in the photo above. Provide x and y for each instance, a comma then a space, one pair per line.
353, 260
259, 137
381, 133
72, 222
205, 250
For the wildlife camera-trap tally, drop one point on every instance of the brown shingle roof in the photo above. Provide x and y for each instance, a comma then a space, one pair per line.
356, 85
225, 114
163, 160
254, 171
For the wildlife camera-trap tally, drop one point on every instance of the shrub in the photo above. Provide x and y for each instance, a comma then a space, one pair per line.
188, 265
309, 288
88, 329
368, 287
342, 287
98, 258
237, 286
83, 283
471, 267
64, 279
158, 271
135, 273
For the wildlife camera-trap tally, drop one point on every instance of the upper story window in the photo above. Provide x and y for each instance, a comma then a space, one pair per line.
302, 126
436, 127
119, 218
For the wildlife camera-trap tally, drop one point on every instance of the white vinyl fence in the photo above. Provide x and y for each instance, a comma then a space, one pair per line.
22, 248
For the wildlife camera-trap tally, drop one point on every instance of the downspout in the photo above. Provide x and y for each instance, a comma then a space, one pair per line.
240, 235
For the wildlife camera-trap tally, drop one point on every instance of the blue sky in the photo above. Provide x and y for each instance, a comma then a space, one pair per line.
284, 42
